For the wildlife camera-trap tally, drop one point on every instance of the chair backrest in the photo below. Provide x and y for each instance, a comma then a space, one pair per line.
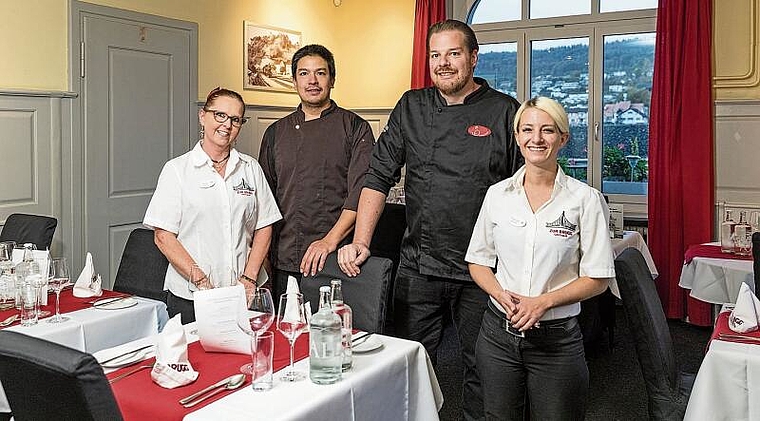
47, 381
756, 259
650, 332
386, 241
365, 293
24, 228
142, 269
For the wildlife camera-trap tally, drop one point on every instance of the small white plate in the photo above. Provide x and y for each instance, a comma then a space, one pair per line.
114, 305
372, 343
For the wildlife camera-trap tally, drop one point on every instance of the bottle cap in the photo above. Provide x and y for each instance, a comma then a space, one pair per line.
324, 289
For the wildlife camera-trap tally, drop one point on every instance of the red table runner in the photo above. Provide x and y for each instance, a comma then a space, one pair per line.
69, 303
711, 251
139, 398
721, 326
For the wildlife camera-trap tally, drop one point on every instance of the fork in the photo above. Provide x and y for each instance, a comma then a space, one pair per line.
129, 373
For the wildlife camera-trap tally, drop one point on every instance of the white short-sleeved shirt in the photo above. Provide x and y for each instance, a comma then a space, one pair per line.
214, 217
565, 239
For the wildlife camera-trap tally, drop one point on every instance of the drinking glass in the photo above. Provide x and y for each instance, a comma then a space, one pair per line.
291, 321
6, 250
754, 221
29, 304
222, 276
7, 279
58, 279
256, 319
262, 351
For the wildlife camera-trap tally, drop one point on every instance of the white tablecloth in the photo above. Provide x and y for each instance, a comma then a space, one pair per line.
635, 240
396, 382
93, 329
723, 389
716, 281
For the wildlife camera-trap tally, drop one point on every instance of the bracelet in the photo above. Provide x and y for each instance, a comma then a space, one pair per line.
248, 278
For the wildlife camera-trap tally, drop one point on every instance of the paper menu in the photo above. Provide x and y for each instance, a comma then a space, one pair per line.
216, 313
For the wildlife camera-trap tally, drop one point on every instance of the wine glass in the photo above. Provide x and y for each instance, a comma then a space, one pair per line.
256, 319
58, 278
291, 321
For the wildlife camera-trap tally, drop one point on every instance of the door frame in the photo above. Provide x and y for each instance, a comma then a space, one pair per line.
72, 153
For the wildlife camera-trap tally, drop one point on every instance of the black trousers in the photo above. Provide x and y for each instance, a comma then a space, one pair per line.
547, 368
177, 305
420, 304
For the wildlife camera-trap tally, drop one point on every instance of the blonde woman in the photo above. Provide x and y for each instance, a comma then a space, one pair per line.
546, 234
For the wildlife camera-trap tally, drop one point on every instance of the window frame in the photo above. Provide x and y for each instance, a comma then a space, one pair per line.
595, 26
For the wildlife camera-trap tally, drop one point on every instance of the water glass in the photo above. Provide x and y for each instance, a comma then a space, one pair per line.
29, 304
223, 276
262, 353
6, 251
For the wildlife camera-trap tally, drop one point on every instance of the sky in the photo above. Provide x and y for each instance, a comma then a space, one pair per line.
506, 10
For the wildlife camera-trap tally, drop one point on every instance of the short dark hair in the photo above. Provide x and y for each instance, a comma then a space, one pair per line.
314, 50
219, 91
454, 25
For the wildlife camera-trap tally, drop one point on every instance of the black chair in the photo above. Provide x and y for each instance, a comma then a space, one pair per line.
47, 381
24, 228
386, 242
366, 293
756, 259
667, 389
142, 268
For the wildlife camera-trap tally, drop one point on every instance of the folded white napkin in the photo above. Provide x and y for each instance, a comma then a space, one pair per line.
744, 317
88, 284
291, 312
172, 368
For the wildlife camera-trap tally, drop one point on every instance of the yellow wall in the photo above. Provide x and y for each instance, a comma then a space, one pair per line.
371, 41
736, 59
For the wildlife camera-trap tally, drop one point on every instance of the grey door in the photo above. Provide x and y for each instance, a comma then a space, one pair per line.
137, 111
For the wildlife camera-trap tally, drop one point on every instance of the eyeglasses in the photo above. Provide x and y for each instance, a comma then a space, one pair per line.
221, 117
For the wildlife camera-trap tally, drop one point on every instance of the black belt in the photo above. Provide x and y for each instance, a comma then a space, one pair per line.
543, 325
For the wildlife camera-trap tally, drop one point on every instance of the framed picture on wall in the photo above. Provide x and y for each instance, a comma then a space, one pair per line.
268, 54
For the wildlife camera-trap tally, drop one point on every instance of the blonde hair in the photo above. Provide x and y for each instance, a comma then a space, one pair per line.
555, 110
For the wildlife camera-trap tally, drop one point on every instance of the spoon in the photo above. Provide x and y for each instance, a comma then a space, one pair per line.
233, 382
220, 383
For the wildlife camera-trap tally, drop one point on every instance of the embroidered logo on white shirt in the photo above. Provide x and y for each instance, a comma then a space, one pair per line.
561, 227
243, 188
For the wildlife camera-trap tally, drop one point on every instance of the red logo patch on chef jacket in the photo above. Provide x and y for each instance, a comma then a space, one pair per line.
478, 131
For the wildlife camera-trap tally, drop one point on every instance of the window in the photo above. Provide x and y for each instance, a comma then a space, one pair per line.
596, 57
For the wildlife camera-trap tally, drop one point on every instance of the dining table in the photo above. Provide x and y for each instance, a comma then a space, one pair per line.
93, 328
723, 388
715, 277
393, 379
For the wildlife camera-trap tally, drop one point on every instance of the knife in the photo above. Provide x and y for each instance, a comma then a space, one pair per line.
360, 339
107, 301
738, 337
135, 351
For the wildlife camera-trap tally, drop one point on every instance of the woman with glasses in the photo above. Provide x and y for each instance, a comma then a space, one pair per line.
547, 236
212, 207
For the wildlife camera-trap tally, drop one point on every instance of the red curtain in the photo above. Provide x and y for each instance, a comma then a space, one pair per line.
426, 13
681, 185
